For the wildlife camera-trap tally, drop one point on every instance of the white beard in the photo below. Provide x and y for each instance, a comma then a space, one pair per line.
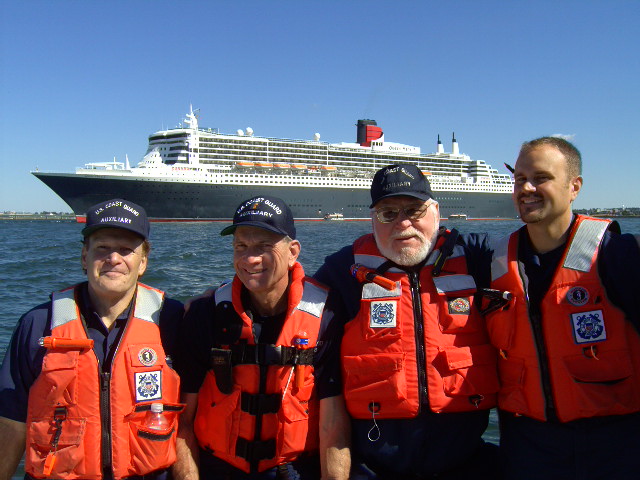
409, 256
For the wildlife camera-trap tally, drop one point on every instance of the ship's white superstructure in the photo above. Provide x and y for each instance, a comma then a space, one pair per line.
204, 155
207, 159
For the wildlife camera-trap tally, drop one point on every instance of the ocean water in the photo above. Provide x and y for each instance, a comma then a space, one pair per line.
39, 257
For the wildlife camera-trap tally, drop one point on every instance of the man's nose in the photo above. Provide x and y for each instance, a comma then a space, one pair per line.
403, 221
114, 257
528, 186
253, 255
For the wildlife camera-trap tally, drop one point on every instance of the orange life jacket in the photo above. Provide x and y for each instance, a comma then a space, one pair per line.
256, 421
81, 420
408, 347
591, 354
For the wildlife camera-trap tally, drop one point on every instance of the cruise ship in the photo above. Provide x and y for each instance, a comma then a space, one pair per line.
191, 173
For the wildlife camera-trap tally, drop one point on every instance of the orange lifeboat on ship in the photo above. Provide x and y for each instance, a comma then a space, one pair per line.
242, 164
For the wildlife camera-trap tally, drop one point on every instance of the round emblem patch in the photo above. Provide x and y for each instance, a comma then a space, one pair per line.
459, 305
147, 357
578, 296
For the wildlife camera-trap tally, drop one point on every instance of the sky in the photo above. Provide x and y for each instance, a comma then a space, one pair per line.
84, 81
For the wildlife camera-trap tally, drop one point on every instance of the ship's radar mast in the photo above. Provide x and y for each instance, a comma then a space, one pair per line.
454, 145
193, 139
191, 119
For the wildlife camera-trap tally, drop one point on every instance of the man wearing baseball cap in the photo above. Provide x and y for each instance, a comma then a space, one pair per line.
259, 365
83, 369
419, 375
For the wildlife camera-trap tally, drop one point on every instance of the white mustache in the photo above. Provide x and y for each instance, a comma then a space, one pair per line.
410, 232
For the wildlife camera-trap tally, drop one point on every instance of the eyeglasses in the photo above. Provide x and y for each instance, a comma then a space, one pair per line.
412, 212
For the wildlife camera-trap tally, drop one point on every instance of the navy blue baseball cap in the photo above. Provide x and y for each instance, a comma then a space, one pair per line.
399, 179
117, 213
270, 213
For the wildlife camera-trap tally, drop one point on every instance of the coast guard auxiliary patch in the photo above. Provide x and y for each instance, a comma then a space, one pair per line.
147, 356
589, 326
578, 296
459, 306
383, 314
148, 386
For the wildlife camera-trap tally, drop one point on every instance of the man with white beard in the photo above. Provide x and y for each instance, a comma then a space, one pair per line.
418, 372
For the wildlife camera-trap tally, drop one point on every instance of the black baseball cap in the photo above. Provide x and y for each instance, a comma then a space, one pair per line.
117, 213
270, 213
399, 179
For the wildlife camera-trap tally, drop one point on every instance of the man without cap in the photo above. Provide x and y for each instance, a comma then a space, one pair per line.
82, 370
569, 345
260, 379
419, 375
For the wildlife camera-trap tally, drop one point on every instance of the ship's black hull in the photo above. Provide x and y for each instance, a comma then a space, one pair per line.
171, 200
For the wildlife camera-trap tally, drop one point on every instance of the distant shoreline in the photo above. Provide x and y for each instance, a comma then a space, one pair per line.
72, 217
37, 216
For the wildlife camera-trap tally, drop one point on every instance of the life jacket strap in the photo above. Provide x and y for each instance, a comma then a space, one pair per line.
243, 354
445, 251
253, 452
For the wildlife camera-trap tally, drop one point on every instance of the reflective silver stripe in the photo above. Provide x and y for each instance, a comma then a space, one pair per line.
374, 261
63, 308
371, 290
584, 244
458, 251
223, 294
454, 283
313, 299
500, 261
148, 304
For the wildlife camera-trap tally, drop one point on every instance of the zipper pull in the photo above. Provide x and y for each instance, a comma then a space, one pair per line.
105, 379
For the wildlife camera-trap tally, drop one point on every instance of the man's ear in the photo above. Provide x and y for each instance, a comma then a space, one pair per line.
576, 186
294, 252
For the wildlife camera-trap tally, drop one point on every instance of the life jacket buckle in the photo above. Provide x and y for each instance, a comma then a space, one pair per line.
498, 300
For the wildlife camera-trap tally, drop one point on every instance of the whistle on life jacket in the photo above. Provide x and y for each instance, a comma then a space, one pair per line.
300, 342
59, 416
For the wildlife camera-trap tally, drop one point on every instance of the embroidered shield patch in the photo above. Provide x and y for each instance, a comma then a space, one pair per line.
589, 326
459, 306
148, 386
578, 296
383, 314
147, 356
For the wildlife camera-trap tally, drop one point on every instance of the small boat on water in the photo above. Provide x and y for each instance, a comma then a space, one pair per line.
334, 216
457, 216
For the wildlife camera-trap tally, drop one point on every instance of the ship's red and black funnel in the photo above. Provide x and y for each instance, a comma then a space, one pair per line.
368, 131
